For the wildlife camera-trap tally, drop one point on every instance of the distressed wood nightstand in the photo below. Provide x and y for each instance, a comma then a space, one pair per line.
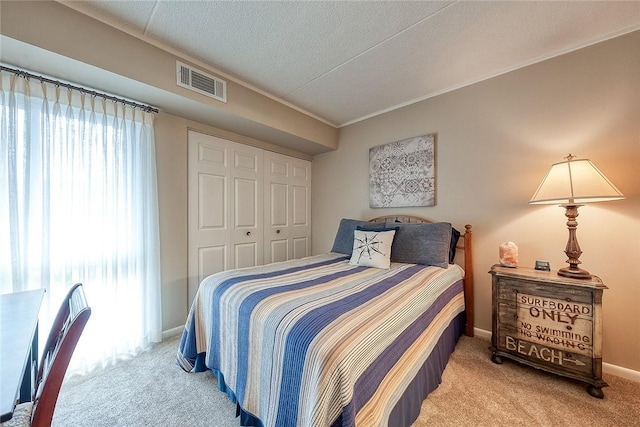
549, 322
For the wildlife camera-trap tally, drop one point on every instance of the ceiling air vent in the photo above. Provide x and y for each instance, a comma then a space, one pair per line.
201, 82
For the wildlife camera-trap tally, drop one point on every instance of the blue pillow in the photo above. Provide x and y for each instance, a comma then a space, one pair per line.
455, 236
343, 242
422, 243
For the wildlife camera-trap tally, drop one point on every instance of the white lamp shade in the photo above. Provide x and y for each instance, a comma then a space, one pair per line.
575, 182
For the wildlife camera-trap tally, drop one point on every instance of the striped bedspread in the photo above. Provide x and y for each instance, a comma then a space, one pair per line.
317, 341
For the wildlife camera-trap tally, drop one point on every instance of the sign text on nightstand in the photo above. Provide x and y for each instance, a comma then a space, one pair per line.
541, 352
554, 322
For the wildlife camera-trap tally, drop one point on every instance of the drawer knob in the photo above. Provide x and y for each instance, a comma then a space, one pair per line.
569, 328
568, 299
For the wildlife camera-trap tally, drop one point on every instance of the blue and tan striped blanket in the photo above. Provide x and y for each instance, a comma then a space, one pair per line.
317, 341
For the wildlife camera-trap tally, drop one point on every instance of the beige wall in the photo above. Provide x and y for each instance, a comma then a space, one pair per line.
495, 141
171, 157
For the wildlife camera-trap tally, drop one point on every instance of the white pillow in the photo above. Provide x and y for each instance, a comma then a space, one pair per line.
372, 248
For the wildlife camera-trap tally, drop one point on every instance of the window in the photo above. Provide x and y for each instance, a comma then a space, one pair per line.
78, 203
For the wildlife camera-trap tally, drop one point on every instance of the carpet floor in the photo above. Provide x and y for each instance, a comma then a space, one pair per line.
151, 390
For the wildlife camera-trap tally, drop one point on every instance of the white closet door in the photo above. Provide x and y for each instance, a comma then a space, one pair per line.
277, 208
247, 205
287, 228
300, 234
208, 209
225, 210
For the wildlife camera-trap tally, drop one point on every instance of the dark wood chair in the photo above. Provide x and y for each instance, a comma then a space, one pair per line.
63, 337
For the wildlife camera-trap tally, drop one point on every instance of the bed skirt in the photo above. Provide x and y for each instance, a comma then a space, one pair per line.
429, 376
408, 407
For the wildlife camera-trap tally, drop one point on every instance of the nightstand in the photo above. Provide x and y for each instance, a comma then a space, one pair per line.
549, 322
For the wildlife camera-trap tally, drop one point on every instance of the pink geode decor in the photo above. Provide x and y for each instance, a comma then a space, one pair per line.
509, 254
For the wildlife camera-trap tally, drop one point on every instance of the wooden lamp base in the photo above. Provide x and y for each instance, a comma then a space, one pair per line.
573, 248
574, 273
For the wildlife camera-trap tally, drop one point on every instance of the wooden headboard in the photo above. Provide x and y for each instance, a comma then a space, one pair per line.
466, 244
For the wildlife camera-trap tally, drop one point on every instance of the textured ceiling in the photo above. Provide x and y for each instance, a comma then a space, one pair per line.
345, 61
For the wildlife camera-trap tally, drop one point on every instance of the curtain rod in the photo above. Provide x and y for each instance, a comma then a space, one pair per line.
27, 75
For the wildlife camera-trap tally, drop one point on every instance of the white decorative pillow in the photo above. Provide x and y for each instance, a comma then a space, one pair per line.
372, 248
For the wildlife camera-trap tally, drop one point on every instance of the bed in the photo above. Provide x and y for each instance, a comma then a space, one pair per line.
329, 340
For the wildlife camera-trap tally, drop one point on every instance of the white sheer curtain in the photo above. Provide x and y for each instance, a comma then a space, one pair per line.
78, 203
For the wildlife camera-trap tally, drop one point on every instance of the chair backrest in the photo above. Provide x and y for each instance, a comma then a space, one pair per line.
63, 337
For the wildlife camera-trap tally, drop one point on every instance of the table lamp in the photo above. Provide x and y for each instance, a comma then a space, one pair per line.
571, 184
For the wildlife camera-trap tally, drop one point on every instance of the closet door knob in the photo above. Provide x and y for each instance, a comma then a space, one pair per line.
248, 233
278, 231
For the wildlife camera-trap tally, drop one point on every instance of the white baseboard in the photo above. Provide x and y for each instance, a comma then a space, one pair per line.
172, 332
621, 372
482, 333
607, 368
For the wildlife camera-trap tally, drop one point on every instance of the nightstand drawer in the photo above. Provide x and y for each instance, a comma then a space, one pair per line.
553, 359
508, 287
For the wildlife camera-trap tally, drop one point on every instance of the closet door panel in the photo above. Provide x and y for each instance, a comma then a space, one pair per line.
246, 203
300, 230
247, 206
277, 222
212, 259
208, 208
287, 207
301, 247
276, 208
279, 194
279, 250
212, 202
246, 254
301, 204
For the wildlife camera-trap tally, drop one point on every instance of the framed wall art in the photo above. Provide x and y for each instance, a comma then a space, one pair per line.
402, 173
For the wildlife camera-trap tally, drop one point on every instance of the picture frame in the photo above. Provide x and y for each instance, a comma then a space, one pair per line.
403, 173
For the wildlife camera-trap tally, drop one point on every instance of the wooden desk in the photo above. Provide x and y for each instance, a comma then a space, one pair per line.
18, 347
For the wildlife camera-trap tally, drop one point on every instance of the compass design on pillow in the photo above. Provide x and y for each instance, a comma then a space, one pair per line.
368, 244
